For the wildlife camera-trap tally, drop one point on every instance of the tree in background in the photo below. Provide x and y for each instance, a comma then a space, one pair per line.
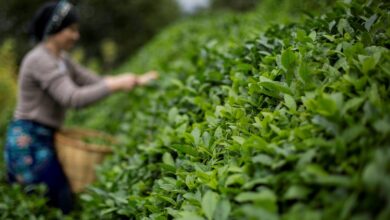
14, 18
129, 24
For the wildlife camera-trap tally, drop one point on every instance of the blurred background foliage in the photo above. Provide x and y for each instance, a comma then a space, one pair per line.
240, 5
111, 31
128, 23
7, 84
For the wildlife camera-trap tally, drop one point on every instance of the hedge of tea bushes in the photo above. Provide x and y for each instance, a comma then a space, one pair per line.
258, 121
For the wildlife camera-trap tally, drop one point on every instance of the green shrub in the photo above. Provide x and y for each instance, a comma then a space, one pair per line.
7, 88
279, 122
7, 80
15, 203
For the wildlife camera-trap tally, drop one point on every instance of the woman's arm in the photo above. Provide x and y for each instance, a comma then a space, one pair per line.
61, 87
124, 81
80, 74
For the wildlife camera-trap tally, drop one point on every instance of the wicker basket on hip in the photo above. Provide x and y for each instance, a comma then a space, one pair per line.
78, 157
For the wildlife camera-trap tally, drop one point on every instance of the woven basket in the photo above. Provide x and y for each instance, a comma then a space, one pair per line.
79, 158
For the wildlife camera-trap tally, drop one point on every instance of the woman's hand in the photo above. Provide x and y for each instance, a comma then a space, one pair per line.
123, 82
147, 77
127, 81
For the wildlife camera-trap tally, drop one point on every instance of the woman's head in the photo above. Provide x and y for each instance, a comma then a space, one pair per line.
53, 19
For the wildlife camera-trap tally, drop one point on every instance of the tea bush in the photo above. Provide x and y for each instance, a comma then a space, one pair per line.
263, 115
254, 121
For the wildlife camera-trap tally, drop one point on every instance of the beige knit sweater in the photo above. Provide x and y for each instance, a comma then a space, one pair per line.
49, 85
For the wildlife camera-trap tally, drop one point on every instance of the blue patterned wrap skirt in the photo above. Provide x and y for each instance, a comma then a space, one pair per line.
31, 158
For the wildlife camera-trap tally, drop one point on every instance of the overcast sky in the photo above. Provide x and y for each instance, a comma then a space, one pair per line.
192, 5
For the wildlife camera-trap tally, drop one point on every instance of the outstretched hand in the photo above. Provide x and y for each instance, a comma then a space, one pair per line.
147, 77
127, 81
123, 82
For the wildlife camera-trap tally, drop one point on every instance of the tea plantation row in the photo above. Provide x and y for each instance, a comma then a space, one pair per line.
251, 121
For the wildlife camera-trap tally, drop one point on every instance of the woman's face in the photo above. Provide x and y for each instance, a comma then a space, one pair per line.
66, 38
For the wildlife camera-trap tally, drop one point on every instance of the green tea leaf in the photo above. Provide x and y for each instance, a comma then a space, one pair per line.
370, 22
255, 142
290, 102
187, 215
257, 212
276, 87
210, 203
168, 159
172, 114
344, 26
263, 159
296, 192
263, 195
238, 139
353, 104
168, 167
223, 210
186, 149
196, 135
165, 198
367, 63
382, 126
288, 59
235, 179
304, 71
353, 132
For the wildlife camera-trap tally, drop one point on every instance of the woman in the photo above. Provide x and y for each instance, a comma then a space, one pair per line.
49, 83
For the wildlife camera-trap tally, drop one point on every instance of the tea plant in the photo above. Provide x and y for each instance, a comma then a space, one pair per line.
286, 122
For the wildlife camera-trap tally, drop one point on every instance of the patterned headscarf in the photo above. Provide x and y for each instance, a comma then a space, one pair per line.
51, 18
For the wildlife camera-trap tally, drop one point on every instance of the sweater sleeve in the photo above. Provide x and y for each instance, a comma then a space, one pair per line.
81, 75
57, 82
